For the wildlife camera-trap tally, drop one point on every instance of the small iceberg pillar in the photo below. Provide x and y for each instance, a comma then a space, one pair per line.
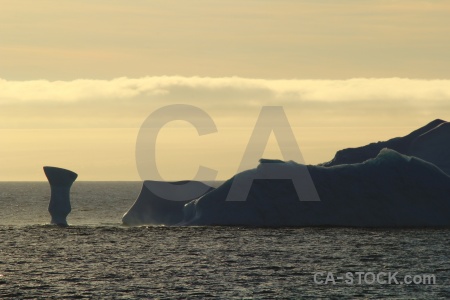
61, 181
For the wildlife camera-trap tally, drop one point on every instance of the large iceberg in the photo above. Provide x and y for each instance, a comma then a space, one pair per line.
403, 182
389, 190
430, 142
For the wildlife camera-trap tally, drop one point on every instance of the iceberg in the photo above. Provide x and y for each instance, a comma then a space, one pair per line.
434, 146
153, 209
390, 190
430, 142
402, 182
61, 181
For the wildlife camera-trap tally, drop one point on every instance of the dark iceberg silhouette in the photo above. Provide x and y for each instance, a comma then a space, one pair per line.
415, 144
61, 181
402, 182
389, 190
151, 209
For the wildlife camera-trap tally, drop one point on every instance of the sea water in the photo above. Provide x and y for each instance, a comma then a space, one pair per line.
97, 257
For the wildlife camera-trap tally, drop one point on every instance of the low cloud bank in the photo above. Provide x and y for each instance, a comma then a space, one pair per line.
126, 102
165, 87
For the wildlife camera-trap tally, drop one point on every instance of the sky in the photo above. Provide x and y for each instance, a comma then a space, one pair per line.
79, 78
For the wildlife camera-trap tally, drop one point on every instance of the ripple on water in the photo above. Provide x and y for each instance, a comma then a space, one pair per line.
214, 262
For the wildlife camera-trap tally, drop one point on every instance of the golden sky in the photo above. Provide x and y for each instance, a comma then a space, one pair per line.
78, 78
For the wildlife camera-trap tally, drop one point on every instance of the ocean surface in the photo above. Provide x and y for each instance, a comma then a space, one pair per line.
98, 258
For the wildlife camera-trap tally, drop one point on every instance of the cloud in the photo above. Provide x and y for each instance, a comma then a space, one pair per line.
91, 125
126, 102
169, 87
